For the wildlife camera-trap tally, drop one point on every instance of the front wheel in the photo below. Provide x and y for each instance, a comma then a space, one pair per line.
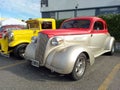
79, 67
19, 51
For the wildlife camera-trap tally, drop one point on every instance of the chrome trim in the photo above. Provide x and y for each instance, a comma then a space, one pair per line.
41, 47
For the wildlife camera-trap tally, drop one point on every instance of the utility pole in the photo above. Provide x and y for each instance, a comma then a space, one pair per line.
76, 9
40, 8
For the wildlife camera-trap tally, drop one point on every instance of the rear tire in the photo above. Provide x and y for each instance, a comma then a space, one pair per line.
19, 51
112, 51
79, 67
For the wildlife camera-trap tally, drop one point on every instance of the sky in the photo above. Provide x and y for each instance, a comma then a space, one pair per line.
20, 9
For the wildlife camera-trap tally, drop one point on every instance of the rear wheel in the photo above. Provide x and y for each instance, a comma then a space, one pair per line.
79, 67
112, 51
19, 51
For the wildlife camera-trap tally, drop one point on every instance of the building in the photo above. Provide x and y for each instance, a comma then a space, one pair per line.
72, 8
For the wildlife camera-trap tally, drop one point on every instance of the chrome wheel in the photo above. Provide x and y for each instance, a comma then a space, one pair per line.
21, 52
112, 51
79, 67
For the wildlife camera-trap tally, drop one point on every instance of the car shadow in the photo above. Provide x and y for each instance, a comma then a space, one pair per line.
29, 72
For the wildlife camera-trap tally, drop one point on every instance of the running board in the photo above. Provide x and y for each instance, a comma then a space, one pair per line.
6, 55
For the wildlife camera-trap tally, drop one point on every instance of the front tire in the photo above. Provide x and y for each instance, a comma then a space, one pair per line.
79, 67
19, 51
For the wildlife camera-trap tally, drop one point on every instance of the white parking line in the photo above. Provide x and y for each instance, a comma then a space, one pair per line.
12, 65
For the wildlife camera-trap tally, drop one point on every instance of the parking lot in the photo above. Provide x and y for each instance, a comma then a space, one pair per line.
20, 75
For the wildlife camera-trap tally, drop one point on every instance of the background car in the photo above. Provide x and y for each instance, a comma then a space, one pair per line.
7, 28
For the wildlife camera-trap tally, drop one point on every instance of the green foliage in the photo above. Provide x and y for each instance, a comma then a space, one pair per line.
113, 23
59, 22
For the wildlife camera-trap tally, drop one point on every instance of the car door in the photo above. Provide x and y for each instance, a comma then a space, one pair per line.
98, 37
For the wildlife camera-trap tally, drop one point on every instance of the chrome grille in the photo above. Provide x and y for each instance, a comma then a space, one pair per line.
41, 46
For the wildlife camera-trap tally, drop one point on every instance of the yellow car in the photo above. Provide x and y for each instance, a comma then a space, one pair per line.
15, 41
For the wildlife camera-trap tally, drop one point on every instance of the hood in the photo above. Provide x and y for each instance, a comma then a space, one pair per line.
23, 31
59, 32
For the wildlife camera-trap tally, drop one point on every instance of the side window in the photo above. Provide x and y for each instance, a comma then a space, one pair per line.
47, 25
44, 3
33, 25
98, 25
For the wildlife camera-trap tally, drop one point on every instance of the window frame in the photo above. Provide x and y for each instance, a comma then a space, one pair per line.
44, 3
97, 26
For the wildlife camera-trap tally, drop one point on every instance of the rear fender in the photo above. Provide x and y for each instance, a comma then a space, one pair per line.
109, 43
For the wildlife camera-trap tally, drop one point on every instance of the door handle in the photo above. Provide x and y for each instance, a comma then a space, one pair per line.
91, 35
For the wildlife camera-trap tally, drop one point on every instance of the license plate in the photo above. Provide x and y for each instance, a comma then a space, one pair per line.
35, 63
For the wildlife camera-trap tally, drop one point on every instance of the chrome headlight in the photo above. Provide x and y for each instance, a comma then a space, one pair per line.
34, 39
10, 36
56, 41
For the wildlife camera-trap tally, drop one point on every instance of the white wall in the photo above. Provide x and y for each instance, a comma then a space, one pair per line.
70, 4
86, 12
68, 14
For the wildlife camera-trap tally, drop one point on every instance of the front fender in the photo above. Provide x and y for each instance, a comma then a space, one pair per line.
30, 51
15, 43
62, 61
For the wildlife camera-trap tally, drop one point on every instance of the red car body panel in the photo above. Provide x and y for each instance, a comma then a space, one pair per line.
63, 32
75, 31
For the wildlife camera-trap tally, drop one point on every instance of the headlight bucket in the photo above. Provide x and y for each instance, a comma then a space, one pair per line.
10, 36
56, 41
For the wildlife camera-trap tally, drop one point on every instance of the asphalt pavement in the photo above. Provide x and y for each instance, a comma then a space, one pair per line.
16, 74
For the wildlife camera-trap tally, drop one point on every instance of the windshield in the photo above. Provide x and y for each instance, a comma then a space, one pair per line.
76, 24
33, 25
47, 25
